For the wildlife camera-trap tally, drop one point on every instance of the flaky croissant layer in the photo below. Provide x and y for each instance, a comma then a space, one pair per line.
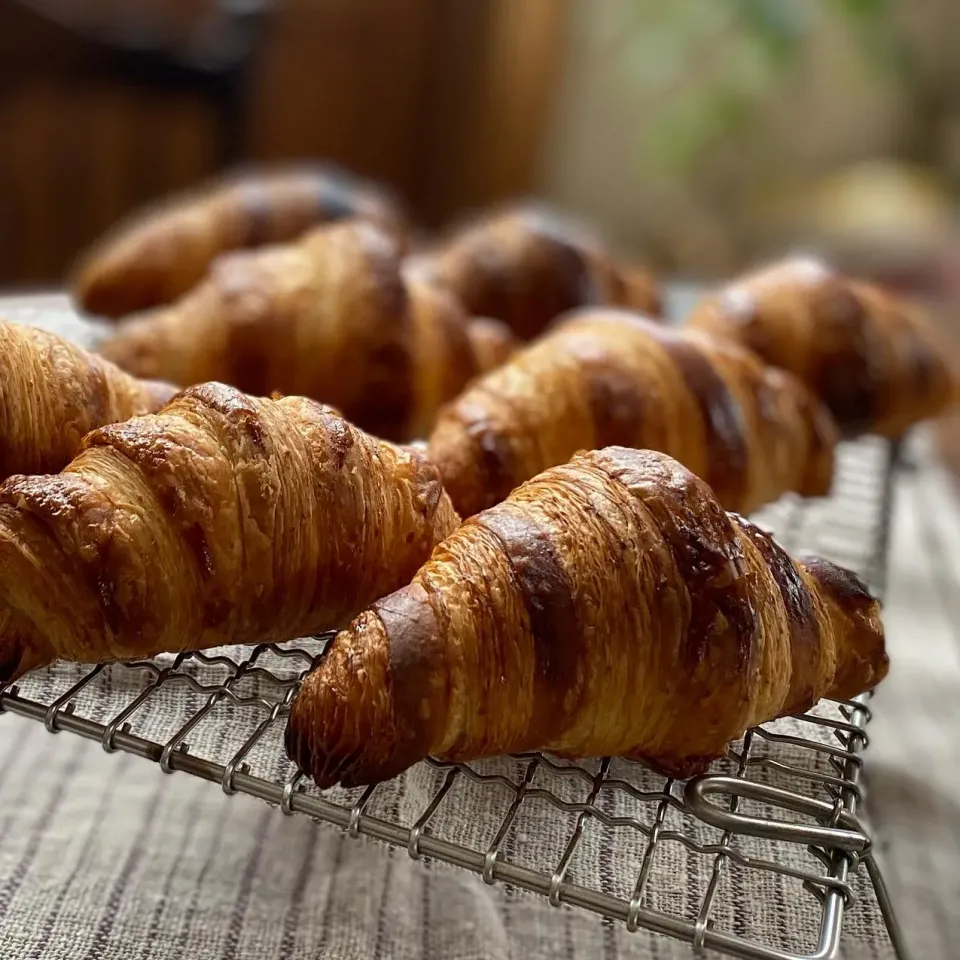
161, 252
608, 607
874, 360
222, 519
332, 317
525, 264
603, 377
53, 392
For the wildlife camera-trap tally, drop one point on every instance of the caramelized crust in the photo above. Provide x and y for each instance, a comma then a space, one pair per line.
53, 392
160, 253
525, 265
331, 317
608, 607
607, 377
874, 361
221, 519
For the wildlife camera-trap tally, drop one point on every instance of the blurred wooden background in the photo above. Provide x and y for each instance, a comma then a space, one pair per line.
106, 104
699, 137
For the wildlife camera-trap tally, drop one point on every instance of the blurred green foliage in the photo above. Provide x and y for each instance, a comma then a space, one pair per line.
742, 47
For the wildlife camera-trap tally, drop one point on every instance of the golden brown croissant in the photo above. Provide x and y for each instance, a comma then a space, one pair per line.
53, 392
609, 607
331, 317
873, 360
607, 377
160, 253
221, 519
526, 265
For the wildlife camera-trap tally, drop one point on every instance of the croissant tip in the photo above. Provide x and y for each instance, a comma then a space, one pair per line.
292, 744
678, 768
299, 750
12, 667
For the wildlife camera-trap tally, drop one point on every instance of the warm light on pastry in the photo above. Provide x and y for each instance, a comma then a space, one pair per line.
609, 607
159, 253
606, 377
52, 392
333, 316
222, 519
525, 265
873, 359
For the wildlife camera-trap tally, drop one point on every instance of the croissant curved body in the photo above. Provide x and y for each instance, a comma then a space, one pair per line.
526, 265
163, 251
52, 392
331, 317
606, 377
221, 519
874, 361
609, 607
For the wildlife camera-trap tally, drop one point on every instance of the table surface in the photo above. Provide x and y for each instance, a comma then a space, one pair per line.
105, 857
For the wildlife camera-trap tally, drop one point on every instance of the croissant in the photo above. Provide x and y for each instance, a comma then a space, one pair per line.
609, 607
161, 252
874, 361
526, 265
221, 519
332, 317
53, 392
607, 377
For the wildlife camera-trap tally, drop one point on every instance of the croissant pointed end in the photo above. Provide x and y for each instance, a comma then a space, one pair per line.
855, 615
17, 656
18, 650
11, 658
677, 768
99, 290
374, 704
335, 734
312, 742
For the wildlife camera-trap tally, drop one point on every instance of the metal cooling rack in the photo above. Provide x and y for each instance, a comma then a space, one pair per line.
774, 824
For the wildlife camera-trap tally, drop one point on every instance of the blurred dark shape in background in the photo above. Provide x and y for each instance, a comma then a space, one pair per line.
105, 104
698, 136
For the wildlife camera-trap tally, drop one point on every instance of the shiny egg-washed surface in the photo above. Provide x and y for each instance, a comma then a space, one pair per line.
606, 835
608, 606
333, 316
607, 377
874, 360
223, 518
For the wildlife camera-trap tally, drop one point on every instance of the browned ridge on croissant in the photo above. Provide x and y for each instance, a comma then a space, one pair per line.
875, 361
609, 607
52, 392
221, 519
161, 252
525, 265
605, 377
333, 317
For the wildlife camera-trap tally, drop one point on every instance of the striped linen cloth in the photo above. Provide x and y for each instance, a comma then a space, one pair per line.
104, 857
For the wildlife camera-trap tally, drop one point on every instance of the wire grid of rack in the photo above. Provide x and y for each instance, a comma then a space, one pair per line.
774, 824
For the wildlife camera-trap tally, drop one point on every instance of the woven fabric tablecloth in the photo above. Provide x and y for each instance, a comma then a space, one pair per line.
104, 857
